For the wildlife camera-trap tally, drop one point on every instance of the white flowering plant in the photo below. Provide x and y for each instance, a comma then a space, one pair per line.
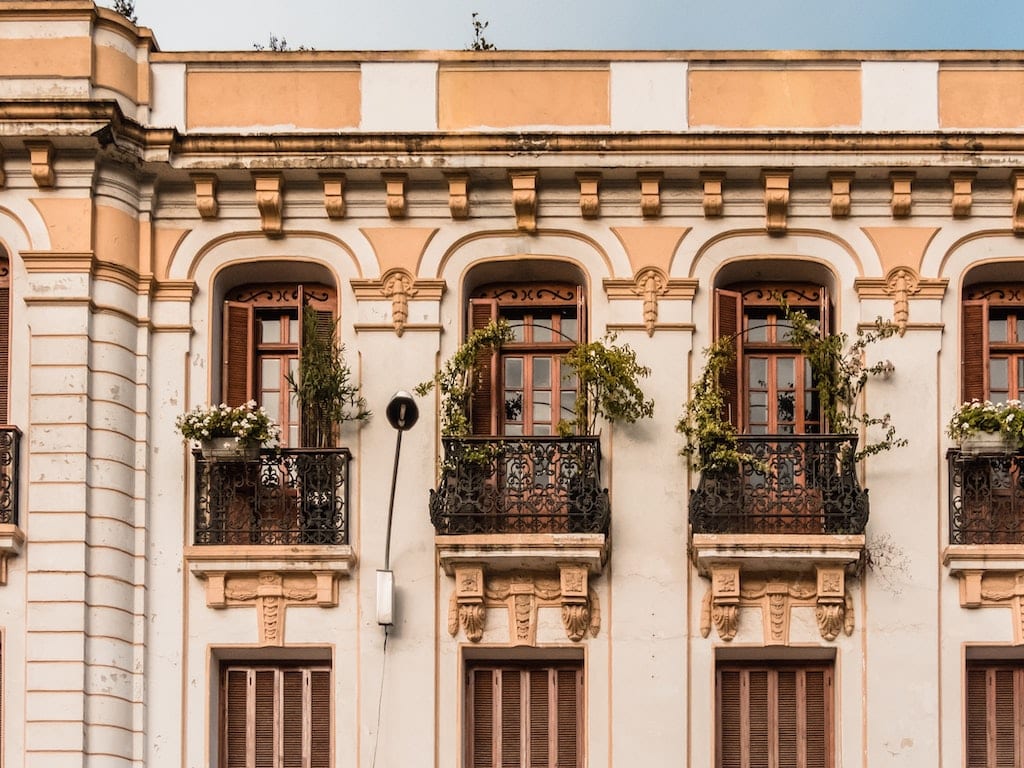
249, 422
977, 416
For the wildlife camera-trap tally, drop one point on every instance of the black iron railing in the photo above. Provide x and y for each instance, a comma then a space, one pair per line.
799, 484
520, 485
286, 496
10, 438
986, 498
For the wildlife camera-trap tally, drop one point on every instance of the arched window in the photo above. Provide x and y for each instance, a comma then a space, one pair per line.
523, 389
993, 342
262, 343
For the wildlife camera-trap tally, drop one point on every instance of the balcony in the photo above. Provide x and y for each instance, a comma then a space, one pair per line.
12, 539
986, 498
290, 496
796, 509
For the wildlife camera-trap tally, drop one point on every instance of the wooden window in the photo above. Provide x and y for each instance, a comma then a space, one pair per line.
995, 715
524, 716
774, 715
770, 388
993, 342
5, 336
276, 716
262, 343
523, 389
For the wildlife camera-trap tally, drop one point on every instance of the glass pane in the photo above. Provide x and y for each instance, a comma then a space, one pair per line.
785, 373
567, 402
271, 403
570, 329
811, 405
757, 372
541, 406
999, 375
542, 429
270, 331
513, 405
542, 372
514, 430
1020, 377
514, 372
786, 406
1020, 330
542, 328
270, 373
997, 329
293, 403
757, 327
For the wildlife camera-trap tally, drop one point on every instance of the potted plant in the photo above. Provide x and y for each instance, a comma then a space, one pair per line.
987, 427
322, 385
608, 377
229, 432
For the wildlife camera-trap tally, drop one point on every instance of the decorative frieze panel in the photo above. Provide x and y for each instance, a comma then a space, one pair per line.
400, 287
900, 285
776, 594
521, 594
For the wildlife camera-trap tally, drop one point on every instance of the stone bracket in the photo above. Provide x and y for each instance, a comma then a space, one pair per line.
962, 183
902, 197
776, 594
394, 184
206, 195
334, 194
650, 193
524, 199
12, 541
713, 203
521, 595
776, 201
590, 198
458, 195
40, 158
1017, 204
841, 202
270, 201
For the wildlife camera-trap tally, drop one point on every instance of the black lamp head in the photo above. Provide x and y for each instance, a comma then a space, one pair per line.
402, 411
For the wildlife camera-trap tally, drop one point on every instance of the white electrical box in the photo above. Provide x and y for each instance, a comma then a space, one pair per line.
385, 598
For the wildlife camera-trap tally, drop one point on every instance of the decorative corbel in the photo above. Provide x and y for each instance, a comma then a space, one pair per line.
458, 195
395, 188
995, 589
270, 201
398, 285
40, 157
271, 593
650, 193
650, 283
962, 183
902, 186
206, 195
712, 183
901, 283
334, 194
3, 174
841, 201
590, 199
830, 610
524, 199
722, 602
1017, 205
575, 605
776, 201
468, 600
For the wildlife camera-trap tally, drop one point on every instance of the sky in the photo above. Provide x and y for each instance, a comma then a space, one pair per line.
356, 25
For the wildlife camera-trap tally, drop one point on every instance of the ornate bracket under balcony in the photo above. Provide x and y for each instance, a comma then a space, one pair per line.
779, 533
521, 525
986, 532
272, 532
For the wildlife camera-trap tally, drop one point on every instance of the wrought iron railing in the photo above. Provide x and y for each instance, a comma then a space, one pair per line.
986, 498
798, 484
520, 485
286, 496
10, 439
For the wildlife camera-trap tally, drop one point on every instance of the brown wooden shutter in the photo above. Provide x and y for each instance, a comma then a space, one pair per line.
320, 721
569, 720
238, 353
974, 362
994, 715
293, 699
483, 405
236, 718
729, 325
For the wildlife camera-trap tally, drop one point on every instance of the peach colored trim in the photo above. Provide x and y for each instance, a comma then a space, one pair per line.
650, 246
513, 235
38, 57
69, 222
759, 254
165, 244
901, 246
752, 98
117, 71
216, 242
303, 99
970, 98
117, 237
399, 248
495, 98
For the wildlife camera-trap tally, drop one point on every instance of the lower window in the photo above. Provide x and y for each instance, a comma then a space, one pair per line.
524, 715
775, 715
276, 716
995, 715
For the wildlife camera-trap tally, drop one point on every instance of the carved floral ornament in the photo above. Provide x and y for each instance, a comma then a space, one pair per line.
776, 595
521, 595
400, 286
651, 284
995, 589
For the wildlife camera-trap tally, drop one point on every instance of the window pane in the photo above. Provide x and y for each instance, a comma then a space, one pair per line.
757, 375
542, 372
542, 407
513, 405
513, 430
999, 374
514, 372
757, 327
542, 328
1020, 329
567, 404
1020, 377
570, 329
785, 373
270, 331
997, 328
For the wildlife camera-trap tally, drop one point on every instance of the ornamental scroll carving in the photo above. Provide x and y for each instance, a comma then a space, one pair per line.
995, 589
650, 284
841, 202
270, 201
1017, 204
901, 283
40, 158
521, 595
776, 201
902, 194
271, 593
776, 595
399, 286
206, 195
524, 199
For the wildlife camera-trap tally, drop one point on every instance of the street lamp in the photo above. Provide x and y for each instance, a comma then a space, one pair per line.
402, 413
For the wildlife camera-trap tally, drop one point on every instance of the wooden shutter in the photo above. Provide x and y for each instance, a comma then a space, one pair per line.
974, 361
483, 408
729, 325
524, 717
774, 716
237, 352
994, 716
5, 338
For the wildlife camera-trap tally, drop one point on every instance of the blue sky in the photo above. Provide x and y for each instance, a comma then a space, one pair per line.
583, 24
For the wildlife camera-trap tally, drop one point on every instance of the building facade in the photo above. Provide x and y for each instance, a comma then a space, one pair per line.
166, 220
